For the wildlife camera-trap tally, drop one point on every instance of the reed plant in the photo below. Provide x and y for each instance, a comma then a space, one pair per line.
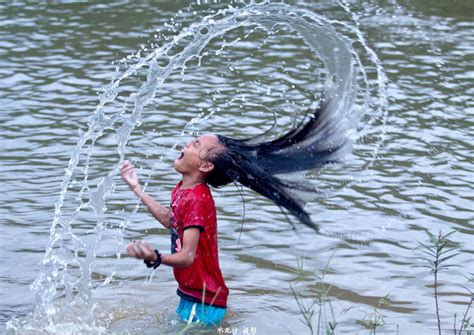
466, 322
375, 318
437, 253
320, 304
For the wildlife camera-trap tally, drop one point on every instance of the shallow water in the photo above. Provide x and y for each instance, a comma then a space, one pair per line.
55, 58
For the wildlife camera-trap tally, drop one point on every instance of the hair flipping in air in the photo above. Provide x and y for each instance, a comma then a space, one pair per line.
261, 166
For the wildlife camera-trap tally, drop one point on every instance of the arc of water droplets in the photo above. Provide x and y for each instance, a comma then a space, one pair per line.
381, 76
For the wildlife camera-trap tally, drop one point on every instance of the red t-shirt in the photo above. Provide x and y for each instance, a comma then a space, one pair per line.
195, 208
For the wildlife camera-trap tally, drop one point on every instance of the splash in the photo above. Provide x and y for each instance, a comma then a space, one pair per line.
67, 275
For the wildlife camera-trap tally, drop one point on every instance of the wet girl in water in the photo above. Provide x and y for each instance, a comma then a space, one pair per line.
217, 160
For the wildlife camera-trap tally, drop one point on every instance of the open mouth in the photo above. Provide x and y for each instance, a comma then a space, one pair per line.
181, 155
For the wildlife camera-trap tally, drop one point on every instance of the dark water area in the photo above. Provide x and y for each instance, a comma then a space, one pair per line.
55, 60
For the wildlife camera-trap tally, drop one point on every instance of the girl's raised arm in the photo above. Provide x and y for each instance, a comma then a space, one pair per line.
159, 212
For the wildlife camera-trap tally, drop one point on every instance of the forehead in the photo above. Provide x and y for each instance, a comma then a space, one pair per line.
208, 141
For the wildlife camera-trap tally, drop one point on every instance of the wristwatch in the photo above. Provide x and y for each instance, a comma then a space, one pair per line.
154, 264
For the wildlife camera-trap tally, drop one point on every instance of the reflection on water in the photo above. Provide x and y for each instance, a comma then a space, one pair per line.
56, 57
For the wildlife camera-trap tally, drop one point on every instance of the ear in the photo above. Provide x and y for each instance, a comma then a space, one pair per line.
206, 167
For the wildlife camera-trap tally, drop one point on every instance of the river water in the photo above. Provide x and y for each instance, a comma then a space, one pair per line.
410, 172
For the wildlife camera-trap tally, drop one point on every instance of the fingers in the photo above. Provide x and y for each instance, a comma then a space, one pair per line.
140, 250
127, 169
132, 249
137, 250
128, 174
126, 165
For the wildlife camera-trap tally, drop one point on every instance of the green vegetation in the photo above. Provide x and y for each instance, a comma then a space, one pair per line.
436, 252
320, 300
315, 306
466, 319
375, 319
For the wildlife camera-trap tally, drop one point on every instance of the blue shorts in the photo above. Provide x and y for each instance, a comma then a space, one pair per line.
190, 311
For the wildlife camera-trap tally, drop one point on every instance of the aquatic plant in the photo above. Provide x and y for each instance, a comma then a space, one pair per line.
321, 299
437, 251
375, 318
466, 319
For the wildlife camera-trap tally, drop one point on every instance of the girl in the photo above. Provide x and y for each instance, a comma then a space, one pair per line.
217, 160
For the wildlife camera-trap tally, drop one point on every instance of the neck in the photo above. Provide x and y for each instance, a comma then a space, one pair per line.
189, 181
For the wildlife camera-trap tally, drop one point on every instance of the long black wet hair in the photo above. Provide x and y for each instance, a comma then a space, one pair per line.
262, 166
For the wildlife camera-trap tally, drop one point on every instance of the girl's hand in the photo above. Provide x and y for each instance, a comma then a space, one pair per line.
141, 250
129, 175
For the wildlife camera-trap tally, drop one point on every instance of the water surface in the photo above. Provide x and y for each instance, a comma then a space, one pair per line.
56, 58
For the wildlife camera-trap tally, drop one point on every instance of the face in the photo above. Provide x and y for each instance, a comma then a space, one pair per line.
191, 159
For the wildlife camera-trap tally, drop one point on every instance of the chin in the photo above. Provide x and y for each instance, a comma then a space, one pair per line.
177, 166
